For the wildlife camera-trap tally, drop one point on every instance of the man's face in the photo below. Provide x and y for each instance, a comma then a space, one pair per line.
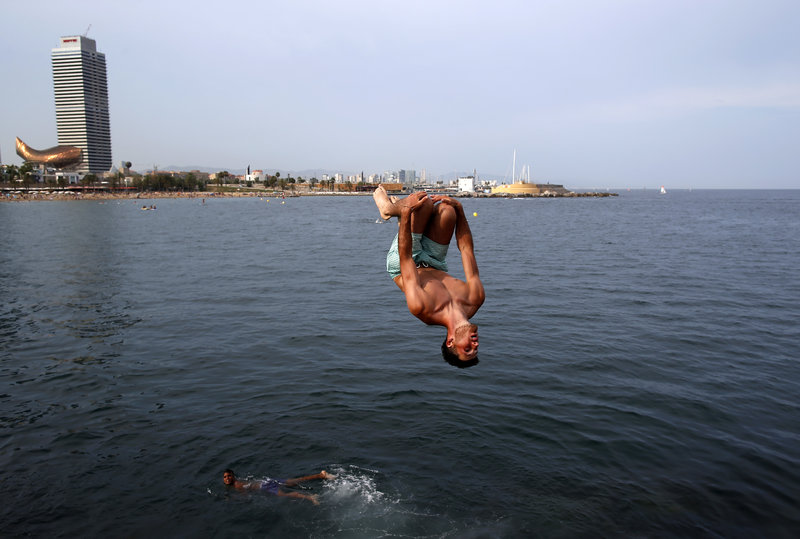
228, 478
466, 342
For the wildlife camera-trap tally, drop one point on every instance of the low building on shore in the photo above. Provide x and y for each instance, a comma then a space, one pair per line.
531, 189
391, 187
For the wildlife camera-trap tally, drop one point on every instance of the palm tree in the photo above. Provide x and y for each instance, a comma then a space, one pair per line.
26, 174
12, 173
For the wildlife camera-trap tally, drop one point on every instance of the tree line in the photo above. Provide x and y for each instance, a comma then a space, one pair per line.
157, 181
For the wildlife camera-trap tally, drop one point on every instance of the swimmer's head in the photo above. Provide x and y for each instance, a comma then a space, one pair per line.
461, 349
228, 477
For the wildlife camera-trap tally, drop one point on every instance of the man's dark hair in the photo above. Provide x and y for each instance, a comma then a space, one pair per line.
451, 357
228, 470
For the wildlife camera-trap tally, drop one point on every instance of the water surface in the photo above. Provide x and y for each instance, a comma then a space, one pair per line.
638, 372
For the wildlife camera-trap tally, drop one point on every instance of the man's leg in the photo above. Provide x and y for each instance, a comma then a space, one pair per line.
440, 224
321, 475
385, 205
419, 219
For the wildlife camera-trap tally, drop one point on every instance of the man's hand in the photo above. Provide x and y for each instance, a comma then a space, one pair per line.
411, 202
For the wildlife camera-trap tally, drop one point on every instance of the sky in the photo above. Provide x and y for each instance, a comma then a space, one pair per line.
588, 93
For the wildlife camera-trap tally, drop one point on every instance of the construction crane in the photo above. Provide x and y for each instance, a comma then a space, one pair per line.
87, 30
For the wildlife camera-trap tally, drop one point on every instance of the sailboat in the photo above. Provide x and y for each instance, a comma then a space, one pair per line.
663, 191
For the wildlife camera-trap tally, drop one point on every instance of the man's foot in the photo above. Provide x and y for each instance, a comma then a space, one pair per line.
326, 475
386, 206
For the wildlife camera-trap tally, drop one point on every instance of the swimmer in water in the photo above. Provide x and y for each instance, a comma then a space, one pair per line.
416, 263
275, 486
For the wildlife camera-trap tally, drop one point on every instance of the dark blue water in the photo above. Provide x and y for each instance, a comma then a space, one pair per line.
638, 374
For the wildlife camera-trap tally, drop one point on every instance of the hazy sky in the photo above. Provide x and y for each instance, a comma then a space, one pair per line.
591, 94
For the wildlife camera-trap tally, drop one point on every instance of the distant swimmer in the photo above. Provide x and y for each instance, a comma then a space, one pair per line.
275, 486
416, 262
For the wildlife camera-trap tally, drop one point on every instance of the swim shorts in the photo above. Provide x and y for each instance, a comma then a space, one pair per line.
425, 252
271, 485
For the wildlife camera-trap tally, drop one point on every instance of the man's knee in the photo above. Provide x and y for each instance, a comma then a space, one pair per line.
427, 205
442, 224
421, 217
447, 213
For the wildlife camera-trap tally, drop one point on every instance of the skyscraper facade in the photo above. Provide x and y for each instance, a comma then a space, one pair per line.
81, 92
408, 177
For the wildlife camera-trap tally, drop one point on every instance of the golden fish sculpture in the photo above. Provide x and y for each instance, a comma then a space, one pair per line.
56, 157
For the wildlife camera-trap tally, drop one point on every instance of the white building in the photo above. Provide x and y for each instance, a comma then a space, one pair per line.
466, 184
255, 176
81, 95
69, 177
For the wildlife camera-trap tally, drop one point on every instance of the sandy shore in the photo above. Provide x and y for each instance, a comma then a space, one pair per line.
25, 196
22, 196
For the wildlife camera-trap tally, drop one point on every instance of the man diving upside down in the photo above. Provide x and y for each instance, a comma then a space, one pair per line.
416, 263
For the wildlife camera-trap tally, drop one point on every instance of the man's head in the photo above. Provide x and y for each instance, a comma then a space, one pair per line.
462, 346
228, 477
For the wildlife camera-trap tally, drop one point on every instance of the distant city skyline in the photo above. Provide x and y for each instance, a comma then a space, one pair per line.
590, 94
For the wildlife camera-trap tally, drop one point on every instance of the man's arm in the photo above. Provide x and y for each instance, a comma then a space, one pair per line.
471, 275
465, 244
408, 269
310, 497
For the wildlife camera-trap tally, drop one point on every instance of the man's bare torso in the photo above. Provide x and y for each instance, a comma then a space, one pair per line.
439, 290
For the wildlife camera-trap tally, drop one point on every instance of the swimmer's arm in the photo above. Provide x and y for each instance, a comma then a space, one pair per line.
312, 497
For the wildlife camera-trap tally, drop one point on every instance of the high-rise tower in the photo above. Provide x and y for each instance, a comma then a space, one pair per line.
81, 91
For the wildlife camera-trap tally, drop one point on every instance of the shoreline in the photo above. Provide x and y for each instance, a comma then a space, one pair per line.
44, 195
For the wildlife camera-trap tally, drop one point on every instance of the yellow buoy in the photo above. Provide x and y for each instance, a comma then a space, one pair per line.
474, 214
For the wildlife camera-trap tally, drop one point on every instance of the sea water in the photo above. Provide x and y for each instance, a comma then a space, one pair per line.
638, 370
